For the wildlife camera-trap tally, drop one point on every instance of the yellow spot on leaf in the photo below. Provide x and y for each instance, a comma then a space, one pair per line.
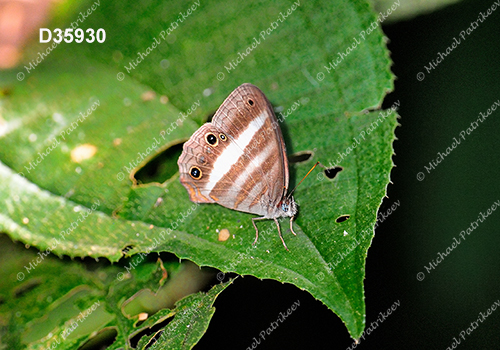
83, 152
148, 95
223, 234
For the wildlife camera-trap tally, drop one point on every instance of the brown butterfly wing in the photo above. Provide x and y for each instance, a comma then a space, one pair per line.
246, 168
198, 154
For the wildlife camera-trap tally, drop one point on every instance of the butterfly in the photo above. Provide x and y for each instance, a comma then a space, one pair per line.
239, 160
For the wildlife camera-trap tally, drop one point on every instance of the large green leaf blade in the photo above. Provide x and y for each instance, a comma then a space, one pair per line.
292, 65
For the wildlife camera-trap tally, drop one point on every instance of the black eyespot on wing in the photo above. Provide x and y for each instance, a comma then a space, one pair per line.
250, 102
223, 137
195, 172
211, 139
342, 218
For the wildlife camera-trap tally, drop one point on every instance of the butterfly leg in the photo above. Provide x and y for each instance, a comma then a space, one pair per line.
291, 227
279, 232
256, 230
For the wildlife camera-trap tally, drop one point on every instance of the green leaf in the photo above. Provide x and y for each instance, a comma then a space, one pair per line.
82, 199
63, 305
192, 316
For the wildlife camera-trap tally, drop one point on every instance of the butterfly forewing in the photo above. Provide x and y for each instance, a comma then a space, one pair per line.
243, 165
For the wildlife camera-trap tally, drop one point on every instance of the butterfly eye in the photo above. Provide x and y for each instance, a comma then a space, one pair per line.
284, 207
222, 137
195, 172
250, 102
211, 139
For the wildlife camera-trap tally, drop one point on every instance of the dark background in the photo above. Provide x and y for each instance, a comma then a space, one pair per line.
431, 213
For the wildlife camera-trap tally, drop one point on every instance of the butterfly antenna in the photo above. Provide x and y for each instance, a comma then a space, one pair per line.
303, 179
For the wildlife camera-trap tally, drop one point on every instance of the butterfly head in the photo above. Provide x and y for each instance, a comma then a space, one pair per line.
288, 207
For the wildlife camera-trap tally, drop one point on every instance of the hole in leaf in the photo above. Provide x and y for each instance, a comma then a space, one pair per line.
157, 329
127, 249
160, 168
332, 172
101, 340
300, 157
342, 218
153, 340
